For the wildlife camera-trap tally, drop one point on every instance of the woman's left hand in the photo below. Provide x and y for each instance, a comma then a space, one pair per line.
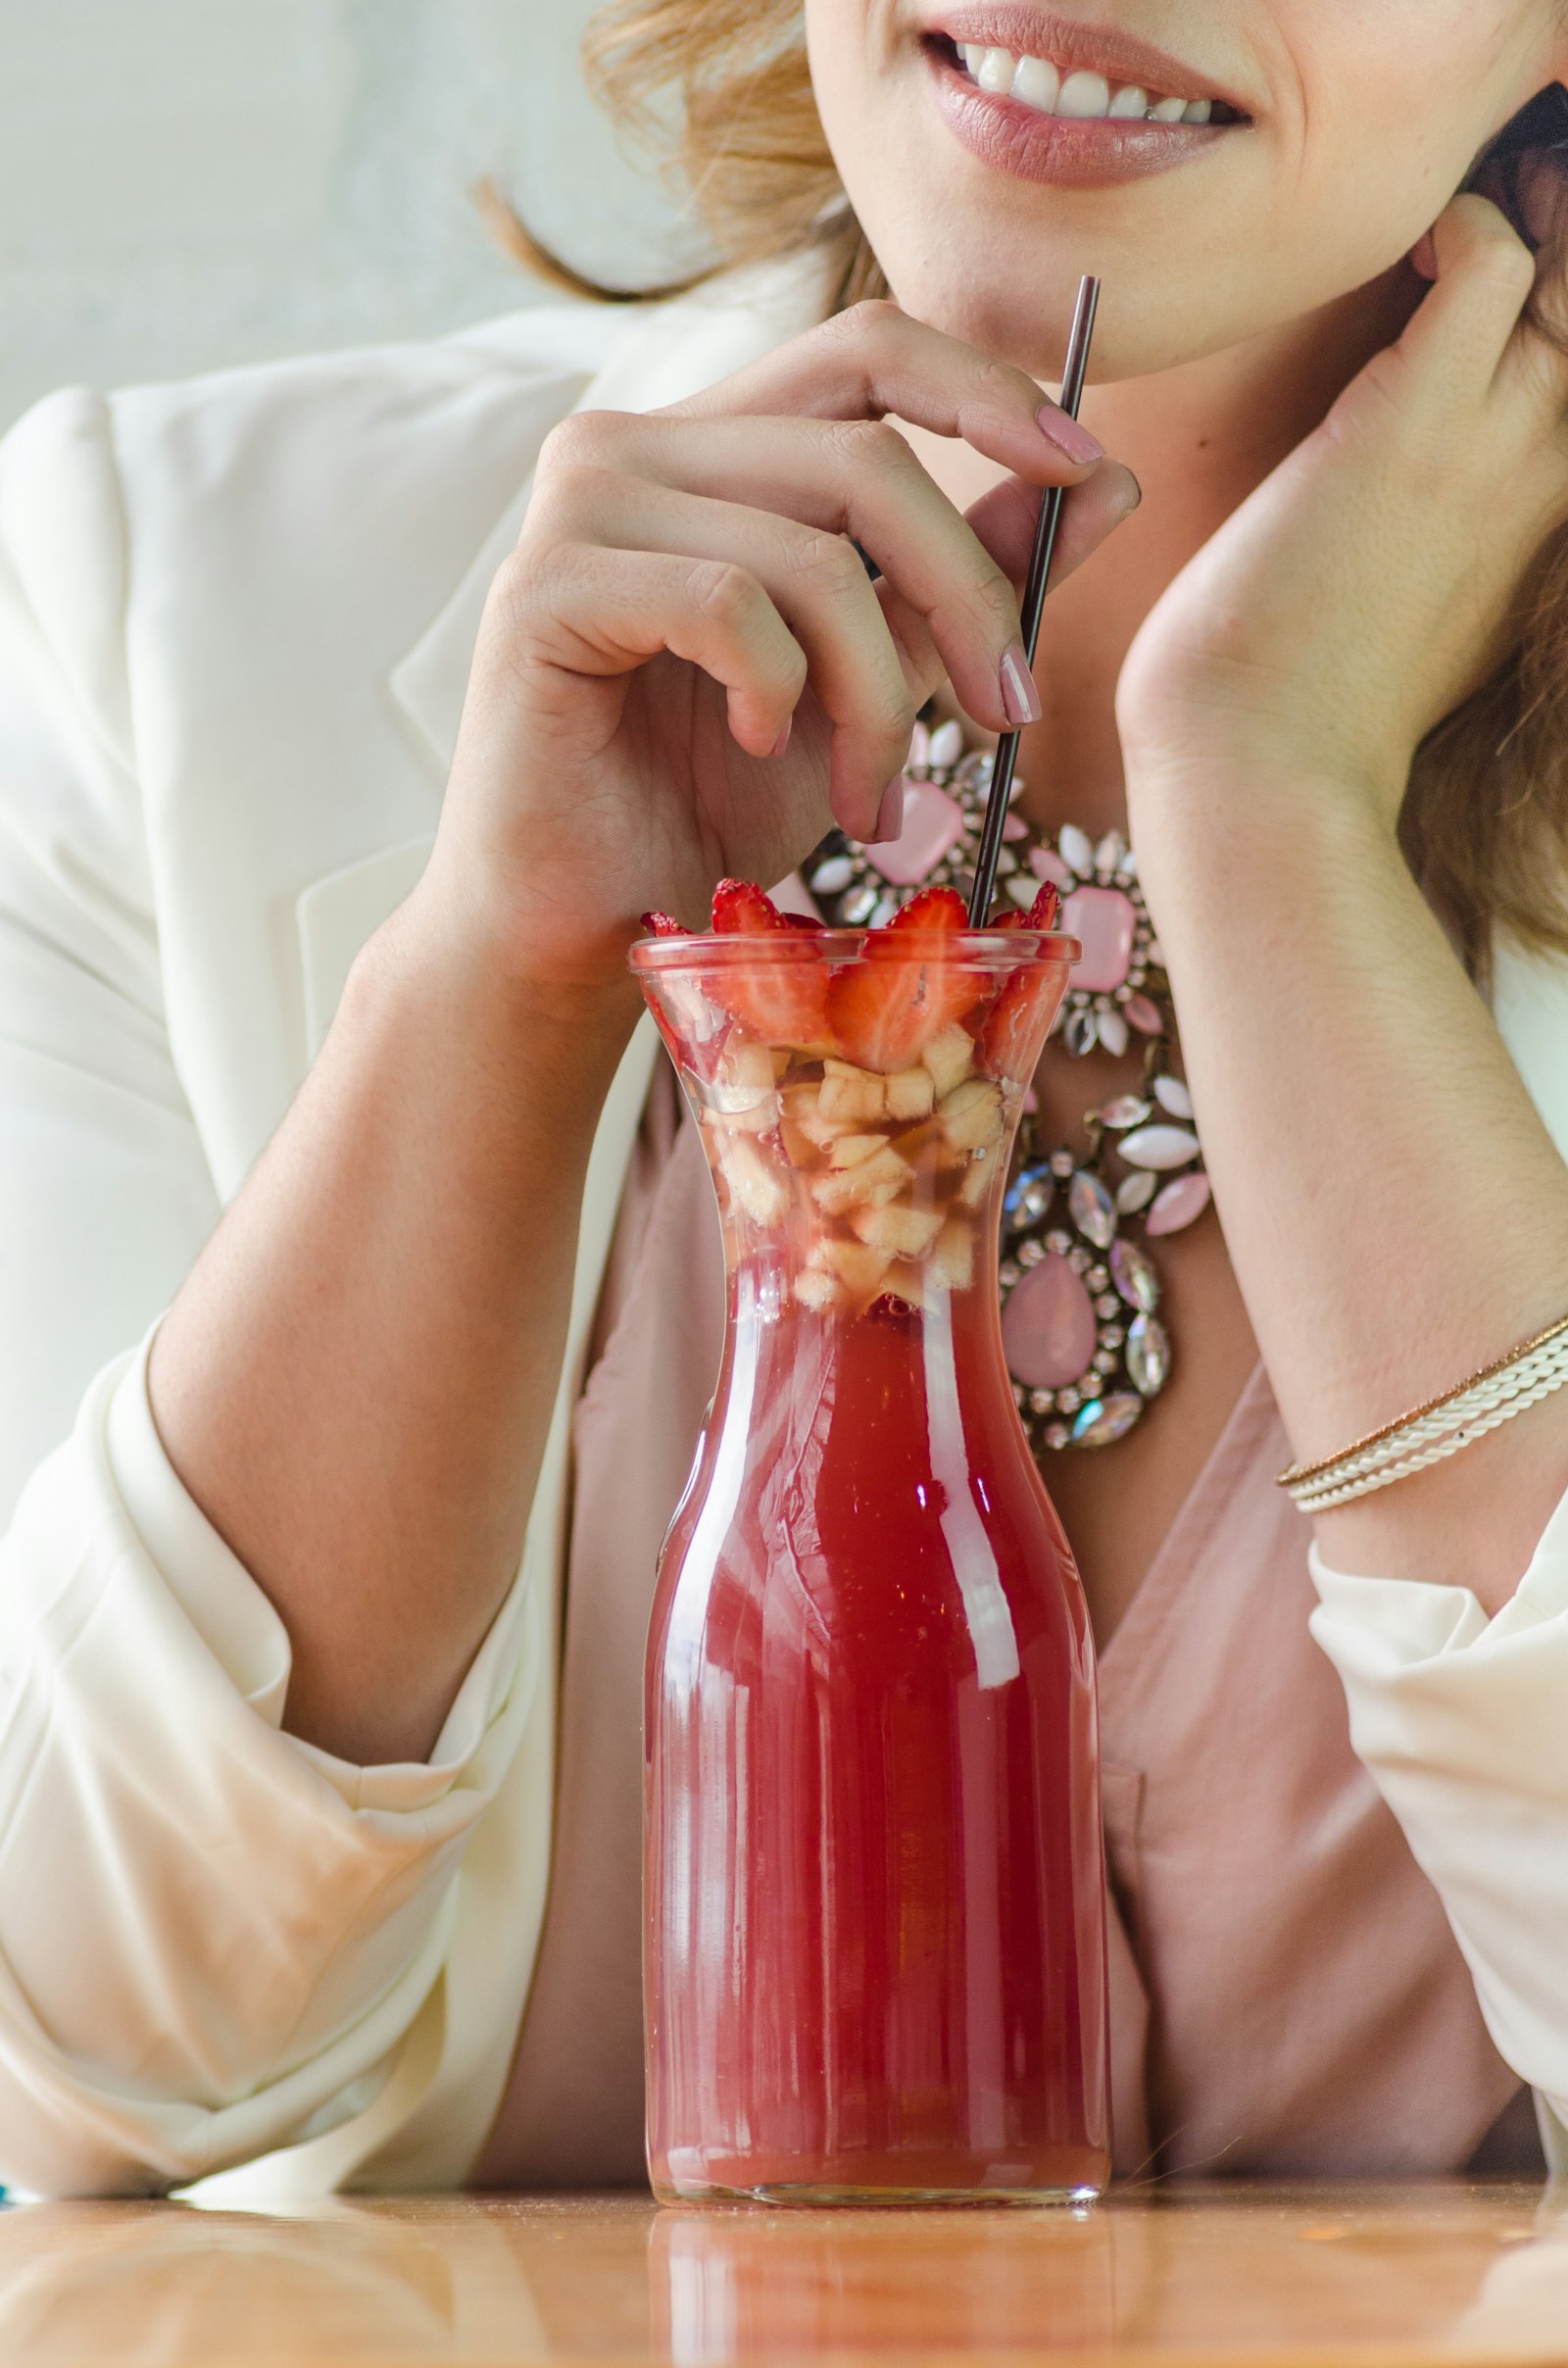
1365, 588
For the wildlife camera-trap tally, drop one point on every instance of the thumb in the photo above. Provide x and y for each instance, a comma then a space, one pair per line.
1005, 519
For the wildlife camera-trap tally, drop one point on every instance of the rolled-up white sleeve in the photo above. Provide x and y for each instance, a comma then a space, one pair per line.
212, 1937
1462, 1719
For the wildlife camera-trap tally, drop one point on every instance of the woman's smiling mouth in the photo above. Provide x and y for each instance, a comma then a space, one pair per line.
1048, 100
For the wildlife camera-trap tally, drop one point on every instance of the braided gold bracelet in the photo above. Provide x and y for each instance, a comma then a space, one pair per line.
1440, 1428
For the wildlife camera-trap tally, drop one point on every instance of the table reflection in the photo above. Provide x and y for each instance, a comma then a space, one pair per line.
1246, 2274
735, 2283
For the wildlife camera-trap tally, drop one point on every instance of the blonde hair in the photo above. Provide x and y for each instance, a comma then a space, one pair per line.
721, 92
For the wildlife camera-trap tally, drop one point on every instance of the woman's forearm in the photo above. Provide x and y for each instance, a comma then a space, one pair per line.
356, 1382
1396, 1210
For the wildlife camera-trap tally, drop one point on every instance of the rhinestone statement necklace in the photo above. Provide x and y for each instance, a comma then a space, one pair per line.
1080, 1287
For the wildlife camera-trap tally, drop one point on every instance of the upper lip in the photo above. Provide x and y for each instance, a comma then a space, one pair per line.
1032, 32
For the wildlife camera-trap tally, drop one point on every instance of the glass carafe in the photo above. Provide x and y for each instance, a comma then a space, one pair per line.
875, 1955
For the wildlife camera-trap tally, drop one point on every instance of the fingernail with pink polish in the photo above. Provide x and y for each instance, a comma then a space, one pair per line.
1021, 700
889, 815
783, 740
1069, 436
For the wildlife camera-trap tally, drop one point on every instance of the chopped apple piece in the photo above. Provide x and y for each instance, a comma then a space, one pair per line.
759, 1119
815, 1289
911, 1093
757, 1192
852, 1093
902, 1232
973, 1114
850, 1150
953, 1258
744, 1077
858, 1266
948, 1058
905, 1282
799, 1149
803, 1104
927, 1148
873, 1183
976, 1182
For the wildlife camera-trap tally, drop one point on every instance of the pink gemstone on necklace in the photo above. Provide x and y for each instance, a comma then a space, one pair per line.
1047, 1326
1143, 1014
933, 825
1179, 1205
1106, 924
1047, 864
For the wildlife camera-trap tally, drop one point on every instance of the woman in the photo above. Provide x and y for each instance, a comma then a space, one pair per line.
282, 1714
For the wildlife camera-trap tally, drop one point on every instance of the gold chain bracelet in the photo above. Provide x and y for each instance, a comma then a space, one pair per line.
1437, 1429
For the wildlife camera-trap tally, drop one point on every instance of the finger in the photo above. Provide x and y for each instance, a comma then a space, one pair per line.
1458, 335
584, 610
846, 478
1544, 200
874, 359
817, 584
1005, 519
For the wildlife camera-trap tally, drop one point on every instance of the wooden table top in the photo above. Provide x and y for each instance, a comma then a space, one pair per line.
1373, 2277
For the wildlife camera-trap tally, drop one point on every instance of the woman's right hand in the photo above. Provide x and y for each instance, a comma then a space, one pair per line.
685, 669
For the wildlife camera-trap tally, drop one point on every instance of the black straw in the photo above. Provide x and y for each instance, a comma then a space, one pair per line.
1034, 600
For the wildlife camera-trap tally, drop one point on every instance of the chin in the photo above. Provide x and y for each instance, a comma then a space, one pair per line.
1157, 312
1146, 325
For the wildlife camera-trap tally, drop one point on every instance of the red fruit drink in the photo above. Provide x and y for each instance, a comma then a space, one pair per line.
875, 1891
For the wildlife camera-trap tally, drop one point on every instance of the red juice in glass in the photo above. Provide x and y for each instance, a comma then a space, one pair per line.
875, 1893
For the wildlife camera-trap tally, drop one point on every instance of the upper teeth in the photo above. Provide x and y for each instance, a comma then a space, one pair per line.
1042, 86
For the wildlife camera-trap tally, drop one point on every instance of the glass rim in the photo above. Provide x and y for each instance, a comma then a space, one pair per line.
993, 948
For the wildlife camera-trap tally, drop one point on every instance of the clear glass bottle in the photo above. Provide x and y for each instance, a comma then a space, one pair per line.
876, 1964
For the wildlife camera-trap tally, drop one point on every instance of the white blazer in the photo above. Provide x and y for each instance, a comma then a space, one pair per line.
236, 618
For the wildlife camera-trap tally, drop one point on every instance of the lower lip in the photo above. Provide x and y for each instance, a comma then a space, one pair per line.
1072, 152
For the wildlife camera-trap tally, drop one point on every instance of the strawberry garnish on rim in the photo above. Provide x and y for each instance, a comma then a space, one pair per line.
1042, 913
778, 1002
665, 924
740, 908
932, 909
887, 1008
1013, 1023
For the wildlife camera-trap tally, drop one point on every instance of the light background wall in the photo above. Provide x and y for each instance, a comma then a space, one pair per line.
188, 183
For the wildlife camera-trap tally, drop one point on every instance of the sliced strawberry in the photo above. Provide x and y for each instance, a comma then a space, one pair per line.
1042, 913
740, 908
665, 924
803, 921
1010, 1039
1006, 1044
886, 1008
782, 999
1013, 1029
932, 909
